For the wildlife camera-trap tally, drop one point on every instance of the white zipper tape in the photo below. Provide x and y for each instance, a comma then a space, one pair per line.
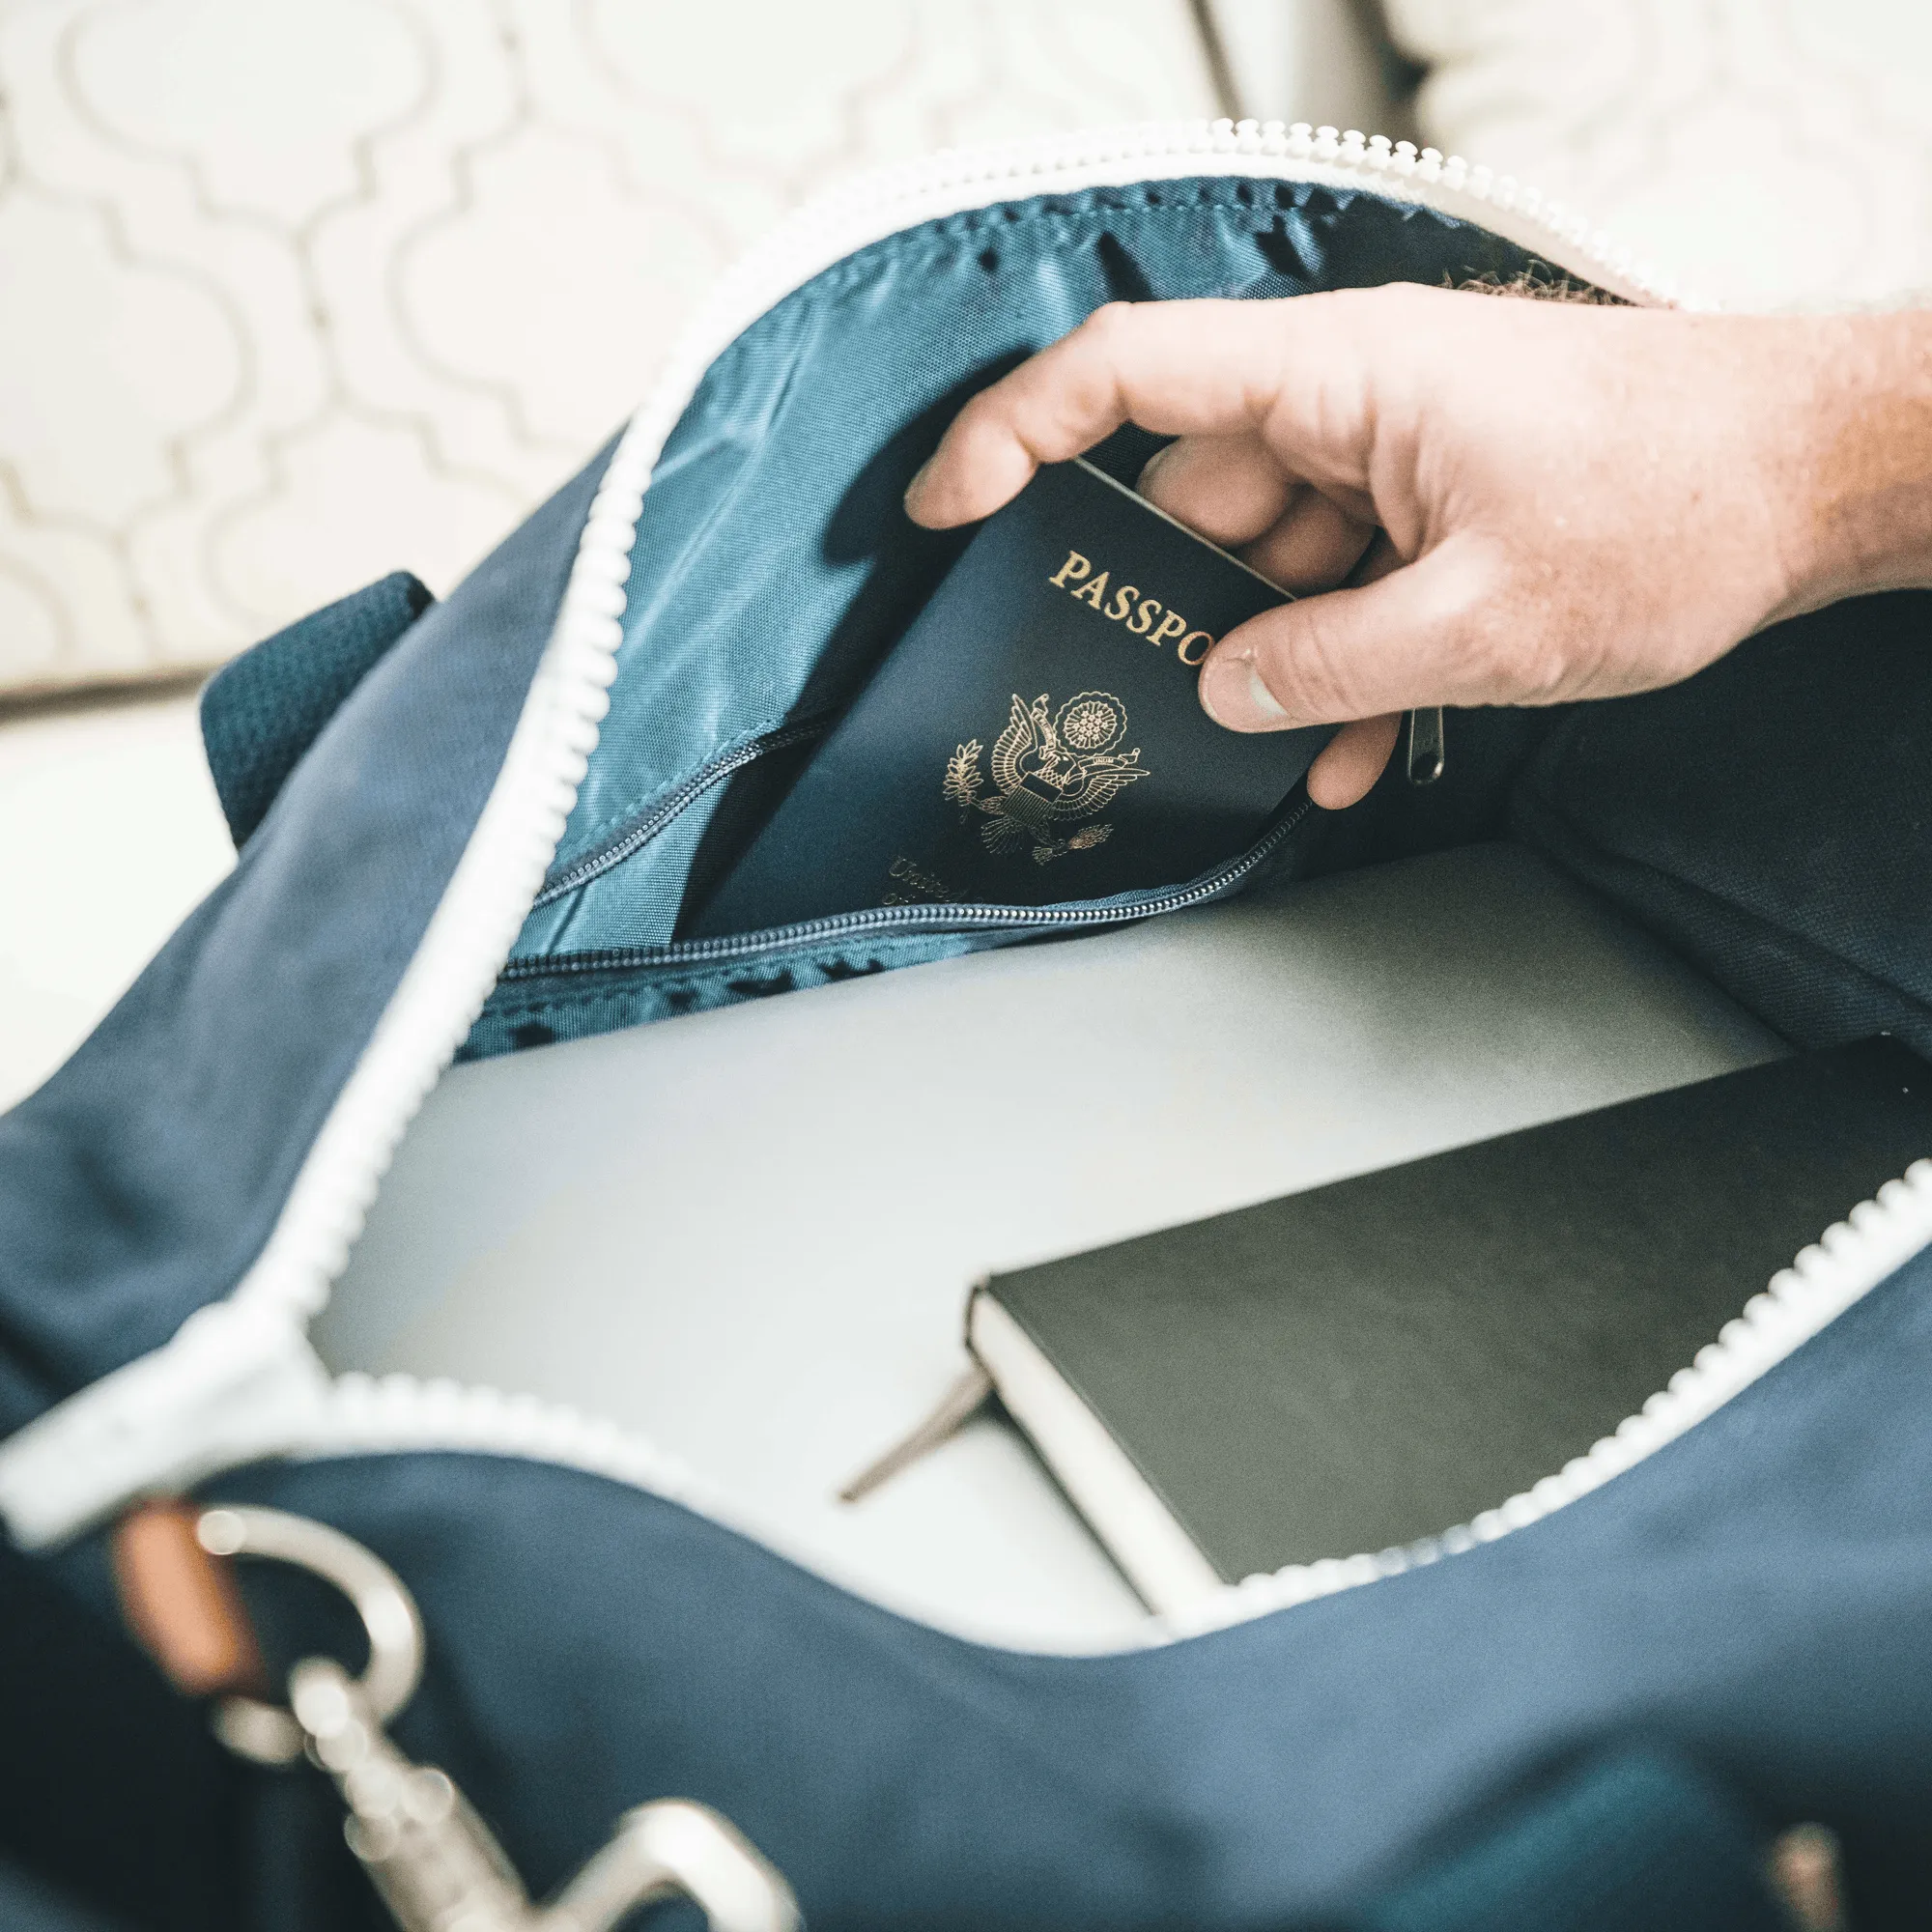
237, 1381
1849, 1259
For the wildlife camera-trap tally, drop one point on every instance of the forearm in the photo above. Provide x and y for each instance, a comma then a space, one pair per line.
1852, 460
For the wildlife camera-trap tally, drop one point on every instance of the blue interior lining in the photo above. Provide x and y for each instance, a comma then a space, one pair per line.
774, 564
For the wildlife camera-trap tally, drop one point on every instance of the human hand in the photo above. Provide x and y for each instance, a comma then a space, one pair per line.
1528, 502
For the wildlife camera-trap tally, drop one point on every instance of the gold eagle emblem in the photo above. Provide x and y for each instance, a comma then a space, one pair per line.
1051, 769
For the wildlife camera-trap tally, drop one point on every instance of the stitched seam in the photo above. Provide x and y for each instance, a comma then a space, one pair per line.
665, 806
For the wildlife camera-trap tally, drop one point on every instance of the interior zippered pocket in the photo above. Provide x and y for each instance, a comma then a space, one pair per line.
629, 839
573, 995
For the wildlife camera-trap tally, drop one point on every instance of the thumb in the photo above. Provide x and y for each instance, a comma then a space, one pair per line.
1409, 640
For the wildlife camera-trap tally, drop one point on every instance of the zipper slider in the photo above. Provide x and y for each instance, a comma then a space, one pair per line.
237, 1381
1425, 745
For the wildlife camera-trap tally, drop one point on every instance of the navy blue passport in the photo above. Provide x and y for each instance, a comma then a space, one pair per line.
1036, 736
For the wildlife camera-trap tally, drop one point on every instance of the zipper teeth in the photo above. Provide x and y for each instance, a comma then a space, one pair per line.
696, 786
401, 1413
476, 921
1849, 1259
891, 922
1164, 150
404, 1414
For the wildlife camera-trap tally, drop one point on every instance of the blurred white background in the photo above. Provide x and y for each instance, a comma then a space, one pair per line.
312, 289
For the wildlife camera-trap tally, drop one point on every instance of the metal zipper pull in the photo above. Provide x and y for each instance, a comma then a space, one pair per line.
1425, 745
431, 1858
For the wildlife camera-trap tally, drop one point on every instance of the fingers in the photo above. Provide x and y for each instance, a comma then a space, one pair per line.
1422, 635
1351, 761
1227, 487
1200, 368
1379, 558
1233, 491
1312, 546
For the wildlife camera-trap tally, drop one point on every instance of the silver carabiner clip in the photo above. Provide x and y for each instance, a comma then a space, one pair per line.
431, 1857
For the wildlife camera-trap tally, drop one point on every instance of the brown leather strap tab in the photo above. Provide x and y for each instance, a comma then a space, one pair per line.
182, 1604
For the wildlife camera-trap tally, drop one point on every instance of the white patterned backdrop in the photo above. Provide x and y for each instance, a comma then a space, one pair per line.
1772, 153
297, 292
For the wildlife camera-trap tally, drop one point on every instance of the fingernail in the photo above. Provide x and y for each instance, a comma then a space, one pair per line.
1234, 694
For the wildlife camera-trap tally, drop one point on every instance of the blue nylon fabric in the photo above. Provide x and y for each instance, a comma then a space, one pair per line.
28, 1905
142, 1179
544, 1008
1769, 818
261, 711
1756, 1596
538, 1003
1642, 1842
774, 565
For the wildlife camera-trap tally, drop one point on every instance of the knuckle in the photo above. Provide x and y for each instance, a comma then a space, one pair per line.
1312, 669
1501, 641
1516, 658
1392, 311
1107, 328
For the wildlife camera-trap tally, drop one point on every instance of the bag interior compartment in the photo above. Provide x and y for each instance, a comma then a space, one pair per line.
760, 1262
749, 1236
1768, 818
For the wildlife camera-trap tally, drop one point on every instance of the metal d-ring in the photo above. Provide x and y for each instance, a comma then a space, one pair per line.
269, 1733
